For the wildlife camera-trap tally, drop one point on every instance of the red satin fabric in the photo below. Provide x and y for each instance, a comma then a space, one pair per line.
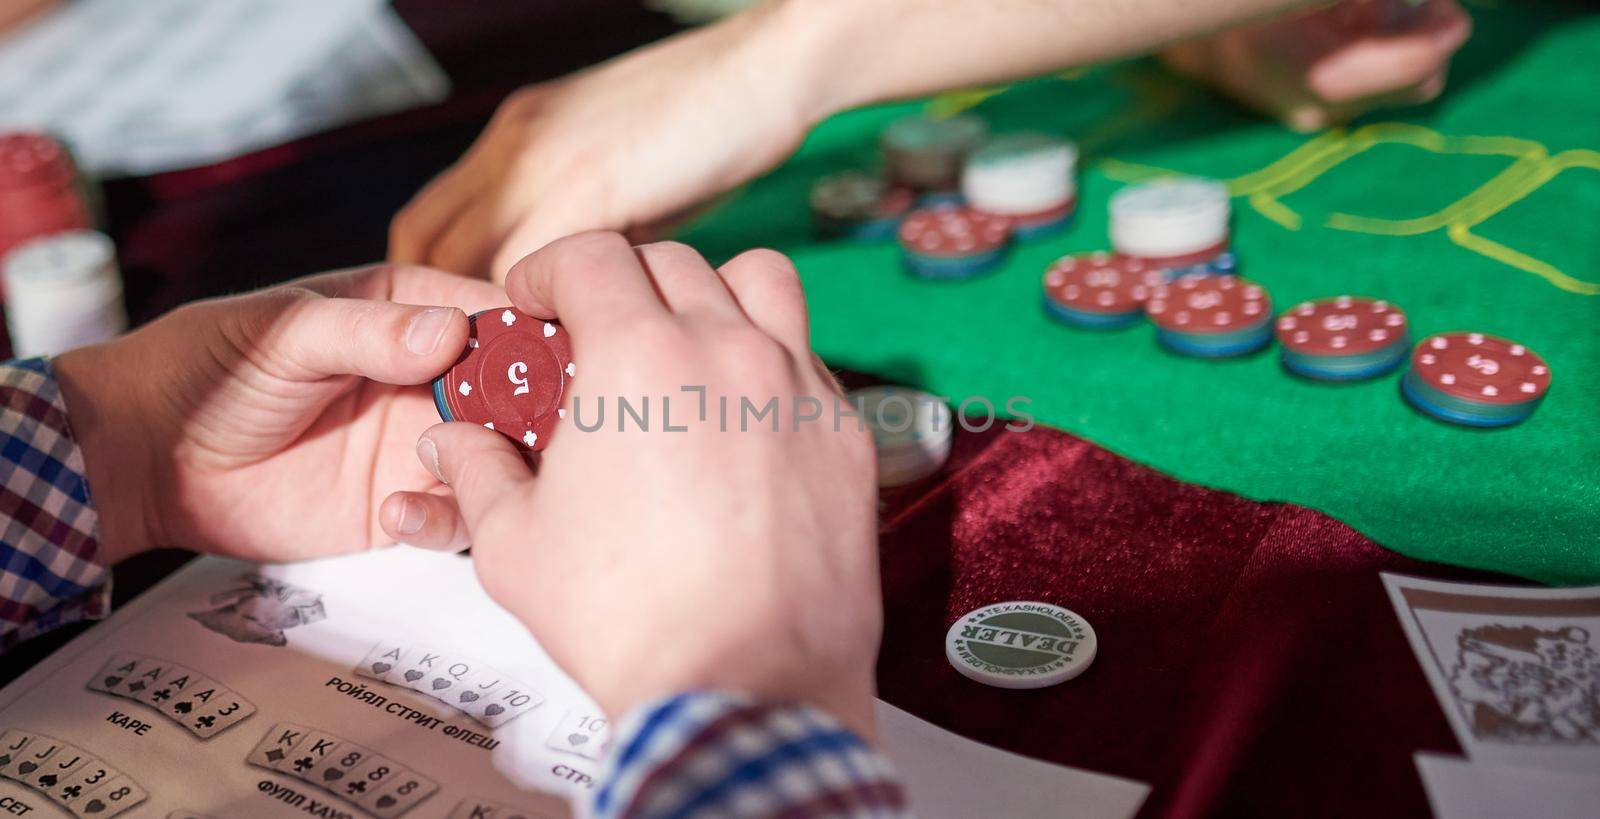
1249, 662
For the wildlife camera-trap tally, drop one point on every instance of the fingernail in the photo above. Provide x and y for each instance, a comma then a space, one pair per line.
427, 327
412, 516
429, 455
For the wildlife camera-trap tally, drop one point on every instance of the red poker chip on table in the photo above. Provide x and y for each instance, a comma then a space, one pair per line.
1211, 316
512, 378
1480, 368
1344, 325
1343, 338
1209, 304
952, 230
1102, 283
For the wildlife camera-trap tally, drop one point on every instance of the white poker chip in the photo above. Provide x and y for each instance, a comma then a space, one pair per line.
1169, 217
62, 291
1020, 644
911, 431
1021, 173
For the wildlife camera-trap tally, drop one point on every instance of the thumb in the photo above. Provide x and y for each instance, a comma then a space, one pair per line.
480, 466
391, 343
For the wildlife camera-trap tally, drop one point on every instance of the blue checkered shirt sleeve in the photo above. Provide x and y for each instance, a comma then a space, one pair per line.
713, 754
51, 566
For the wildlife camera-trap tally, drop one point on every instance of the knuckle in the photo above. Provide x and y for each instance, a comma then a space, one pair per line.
753, 354
405, 225
765, 261
671, 254
588, 246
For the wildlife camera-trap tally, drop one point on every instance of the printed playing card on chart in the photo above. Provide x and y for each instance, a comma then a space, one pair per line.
584, 734
1516, 670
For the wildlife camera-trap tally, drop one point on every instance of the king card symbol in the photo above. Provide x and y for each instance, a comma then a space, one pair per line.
303, 763
275, 755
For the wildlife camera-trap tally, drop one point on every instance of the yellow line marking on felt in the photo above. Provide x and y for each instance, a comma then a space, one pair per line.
1531, 168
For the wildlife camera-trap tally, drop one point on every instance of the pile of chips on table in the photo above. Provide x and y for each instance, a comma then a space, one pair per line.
956, 198
62, 286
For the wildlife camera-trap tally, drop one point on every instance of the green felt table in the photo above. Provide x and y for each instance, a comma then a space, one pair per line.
1480, 211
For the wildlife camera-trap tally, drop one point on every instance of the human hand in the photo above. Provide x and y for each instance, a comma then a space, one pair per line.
709, 558
267, 426
622, 146
1327, 66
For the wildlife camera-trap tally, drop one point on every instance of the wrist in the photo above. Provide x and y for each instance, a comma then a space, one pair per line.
102, 413
814, 49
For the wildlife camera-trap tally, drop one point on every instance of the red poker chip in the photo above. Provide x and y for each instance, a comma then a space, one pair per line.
1188, 259
513, 376
1101, 282
1482, 369
1340, 326
953, 230
28, 159
1209, 304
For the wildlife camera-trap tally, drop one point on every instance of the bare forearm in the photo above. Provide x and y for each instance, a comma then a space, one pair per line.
854, 52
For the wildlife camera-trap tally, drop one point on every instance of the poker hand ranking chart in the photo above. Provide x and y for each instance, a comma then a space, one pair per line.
384, 684
238, 690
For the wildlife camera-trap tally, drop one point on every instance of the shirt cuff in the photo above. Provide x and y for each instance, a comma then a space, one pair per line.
52, 567
705, 753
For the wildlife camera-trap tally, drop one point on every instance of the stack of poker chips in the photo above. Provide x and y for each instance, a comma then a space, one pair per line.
1029, 178
1211, 316
1180, 225
858, 205
1099, 290
1345, 338
927, 154
40, 190
63, 291
1475, 380
911, 431
949, 241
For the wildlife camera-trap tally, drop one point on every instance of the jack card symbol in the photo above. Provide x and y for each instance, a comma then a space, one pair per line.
48, 780
27, 768
466, 696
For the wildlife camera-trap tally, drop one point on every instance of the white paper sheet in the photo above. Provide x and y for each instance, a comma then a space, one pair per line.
290, 640
1459, 789
164, 84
